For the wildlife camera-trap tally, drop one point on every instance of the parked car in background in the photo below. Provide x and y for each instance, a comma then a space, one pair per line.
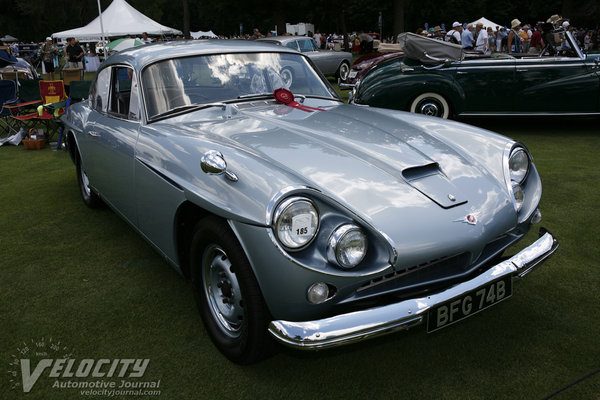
21, 67
329, 62
385, 53
299, 218
437, 78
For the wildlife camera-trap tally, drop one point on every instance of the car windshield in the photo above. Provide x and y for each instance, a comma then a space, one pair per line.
181, 83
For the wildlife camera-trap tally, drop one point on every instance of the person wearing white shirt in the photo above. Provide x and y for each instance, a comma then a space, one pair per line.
482, 38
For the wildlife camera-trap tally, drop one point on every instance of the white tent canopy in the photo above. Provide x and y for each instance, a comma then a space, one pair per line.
119, 19
200, 34
486, 23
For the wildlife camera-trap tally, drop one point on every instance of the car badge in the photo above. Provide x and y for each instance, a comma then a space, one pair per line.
470, 219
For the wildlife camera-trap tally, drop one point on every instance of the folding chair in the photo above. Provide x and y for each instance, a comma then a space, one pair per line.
24, 113
51, 92
8, 95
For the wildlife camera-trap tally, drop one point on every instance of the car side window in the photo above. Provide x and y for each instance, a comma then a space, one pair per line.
99, 93
292, 45
306, 45
121, 88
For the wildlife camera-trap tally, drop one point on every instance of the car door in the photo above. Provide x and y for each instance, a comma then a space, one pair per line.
486, 85
324, 60
111, 134
556, 84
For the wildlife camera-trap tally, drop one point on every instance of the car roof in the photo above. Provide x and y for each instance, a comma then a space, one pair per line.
140, 56
282, 39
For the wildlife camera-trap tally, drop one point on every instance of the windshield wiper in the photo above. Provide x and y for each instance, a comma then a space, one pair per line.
255, 95
178, 110
187, 107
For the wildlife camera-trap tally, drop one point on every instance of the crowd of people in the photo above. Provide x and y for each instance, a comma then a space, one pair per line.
516, 38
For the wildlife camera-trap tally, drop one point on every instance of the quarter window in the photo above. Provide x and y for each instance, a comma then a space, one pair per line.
99, 93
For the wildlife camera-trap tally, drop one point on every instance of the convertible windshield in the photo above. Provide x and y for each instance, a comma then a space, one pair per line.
176, 83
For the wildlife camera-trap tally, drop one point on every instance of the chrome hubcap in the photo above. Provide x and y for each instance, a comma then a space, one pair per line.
222, 291
429, 109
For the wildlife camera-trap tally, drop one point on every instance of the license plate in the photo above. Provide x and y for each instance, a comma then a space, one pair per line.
468, 304
353, 74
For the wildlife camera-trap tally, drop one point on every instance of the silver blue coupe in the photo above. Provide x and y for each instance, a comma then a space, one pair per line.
300, 219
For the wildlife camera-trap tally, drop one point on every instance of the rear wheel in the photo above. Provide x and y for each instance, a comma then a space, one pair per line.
227, 293
343, 70
432, 104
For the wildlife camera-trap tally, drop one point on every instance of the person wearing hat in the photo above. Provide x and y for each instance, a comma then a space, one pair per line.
437, 33
467, 38
454, 35
514, 41
48, 52
525, 35
482, 38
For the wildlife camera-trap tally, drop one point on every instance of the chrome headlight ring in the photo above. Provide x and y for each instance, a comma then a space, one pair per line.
517, 164
347, 246
296, 222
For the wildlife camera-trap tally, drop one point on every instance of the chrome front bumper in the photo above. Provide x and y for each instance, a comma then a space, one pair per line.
360, 325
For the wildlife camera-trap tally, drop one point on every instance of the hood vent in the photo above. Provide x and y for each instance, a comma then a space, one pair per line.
429, 180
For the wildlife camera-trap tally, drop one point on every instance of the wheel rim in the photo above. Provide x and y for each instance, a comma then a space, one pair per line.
85, 183
222, 291
430, 107
344, 69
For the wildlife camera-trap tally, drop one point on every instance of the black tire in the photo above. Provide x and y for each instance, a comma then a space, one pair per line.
343, 71
227, 294
431, 104
89, 197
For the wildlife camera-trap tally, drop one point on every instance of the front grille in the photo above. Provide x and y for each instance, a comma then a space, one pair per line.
436, 273
439, 268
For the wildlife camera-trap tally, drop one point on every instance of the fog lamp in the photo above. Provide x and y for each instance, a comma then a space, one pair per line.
317, 293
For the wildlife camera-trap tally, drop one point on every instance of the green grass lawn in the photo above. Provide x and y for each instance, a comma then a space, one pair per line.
85, 279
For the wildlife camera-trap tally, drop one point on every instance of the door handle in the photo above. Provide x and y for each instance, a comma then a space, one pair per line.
522, 70
461, 72
94, 134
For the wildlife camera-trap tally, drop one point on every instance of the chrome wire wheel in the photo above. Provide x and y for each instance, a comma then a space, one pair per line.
222, 291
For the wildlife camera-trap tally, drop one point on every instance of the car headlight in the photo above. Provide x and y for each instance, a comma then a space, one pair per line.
296, 222
518, 165
347, 246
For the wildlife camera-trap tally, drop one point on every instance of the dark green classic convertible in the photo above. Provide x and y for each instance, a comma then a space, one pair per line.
438, 78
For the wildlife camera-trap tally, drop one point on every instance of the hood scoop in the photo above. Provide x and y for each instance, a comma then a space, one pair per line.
430, 181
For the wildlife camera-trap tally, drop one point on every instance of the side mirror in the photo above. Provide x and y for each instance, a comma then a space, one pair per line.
213, 163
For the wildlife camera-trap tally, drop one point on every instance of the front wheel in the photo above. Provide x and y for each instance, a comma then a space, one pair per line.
227, 293
88, 196
431, 104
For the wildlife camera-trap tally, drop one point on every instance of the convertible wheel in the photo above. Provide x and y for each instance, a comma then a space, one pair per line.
88, 196
227, 293
343, 71
431, 104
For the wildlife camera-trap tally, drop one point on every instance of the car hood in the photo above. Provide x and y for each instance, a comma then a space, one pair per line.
390, 172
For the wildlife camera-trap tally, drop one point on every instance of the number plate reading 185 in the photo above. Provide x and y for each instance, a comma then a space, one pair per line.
468, 304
